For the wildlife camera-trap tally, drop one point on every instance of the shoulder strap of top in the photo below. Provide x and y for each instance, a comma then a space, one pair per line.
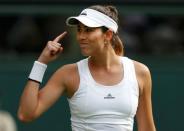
130, 74
129, 69
82, 67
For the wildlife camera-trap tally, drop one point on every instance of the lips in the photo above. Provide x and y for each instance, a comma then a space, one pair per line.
83, 45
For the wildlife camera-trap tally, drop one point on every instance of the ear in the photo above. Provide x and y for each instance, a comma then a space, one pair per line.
108, 35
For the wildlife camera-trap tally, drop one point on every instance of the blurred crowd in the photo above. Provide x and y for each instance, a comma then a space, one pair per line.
153, 34
141, 33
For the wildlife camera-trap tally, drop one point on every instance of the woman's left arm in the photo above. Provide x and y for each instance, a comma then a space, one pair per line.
144, 113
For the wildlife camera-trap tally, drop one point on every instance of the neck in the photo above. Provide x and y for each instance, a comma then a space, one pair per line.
105, 60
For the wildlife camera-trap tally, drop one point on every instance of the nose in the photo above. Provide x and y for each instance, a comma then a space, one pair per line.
81, 35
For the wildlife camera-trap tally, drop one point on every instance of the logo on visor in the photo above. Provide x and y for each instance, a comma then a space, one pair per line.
83, 13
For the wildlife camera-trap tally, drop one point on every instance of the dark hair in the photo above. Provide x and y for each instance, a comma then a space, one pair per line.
112, 12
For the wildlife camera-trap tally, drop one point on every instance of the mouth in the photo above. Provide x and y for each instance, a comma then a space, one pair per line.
83, 45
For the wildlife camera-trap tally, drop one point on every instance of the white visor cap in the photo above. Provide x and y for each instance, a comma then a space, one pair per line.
93, 18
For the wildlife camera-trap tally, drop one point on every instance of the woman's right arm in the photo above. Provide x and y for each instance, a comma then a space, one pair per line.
33, 101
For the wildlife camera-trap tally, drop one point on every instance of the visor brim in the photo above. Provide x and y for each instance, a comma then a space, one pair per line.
73, 21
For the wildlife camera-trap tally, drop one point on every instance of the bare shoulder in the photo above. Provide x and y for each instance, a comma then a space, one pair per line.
141, 69
69, 68
68, 72
143, 75
70, 77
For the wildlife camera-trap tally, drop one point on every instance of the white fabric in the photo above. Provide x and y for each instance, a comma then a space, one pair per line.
7, 122
93, 18
95, 107
37, 71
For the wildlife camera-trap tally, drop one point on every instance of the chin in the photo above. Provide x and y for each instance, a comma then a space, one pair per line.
85, 53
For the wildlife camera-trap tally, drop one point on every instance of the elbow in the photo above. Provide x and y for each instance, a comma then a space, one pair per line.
24, 118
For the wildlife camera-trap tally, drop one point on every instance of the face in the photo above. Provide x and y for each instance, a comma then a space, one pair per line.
91, 40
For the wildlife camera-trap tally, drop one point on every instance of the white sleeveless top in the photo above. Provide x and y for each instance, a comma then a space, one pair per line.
96, 107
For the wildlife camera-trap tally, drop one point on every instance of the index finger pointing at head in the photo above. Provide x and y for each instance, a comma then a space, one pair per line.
57, 39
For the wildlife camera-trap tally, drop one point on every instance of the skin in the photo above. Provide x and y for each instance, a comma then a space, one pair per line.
104, 66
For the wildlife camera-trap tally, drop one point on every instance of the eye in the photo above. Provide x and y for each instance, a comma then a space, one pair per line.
89, 29
78, 29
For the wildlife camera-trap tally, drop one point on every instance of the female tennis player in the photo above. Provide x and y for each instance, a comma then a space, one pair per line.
105, 91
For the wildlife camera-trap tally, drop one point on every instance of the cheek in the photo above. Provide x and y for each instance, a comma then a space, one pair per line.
96, 37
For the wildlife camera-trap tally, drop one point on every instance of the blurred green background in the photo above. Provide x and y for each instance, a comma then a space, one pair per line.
152, 34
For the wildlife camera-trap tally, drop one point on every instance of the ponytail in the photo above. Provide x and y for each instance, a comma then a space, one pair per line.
117, 45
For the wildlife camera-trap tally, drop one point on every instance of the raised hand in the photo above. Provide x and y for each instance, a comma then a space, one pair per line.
52, 49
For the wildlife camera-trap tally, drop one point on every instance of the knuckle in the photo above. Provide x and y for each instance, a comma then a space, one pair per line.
49, 43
